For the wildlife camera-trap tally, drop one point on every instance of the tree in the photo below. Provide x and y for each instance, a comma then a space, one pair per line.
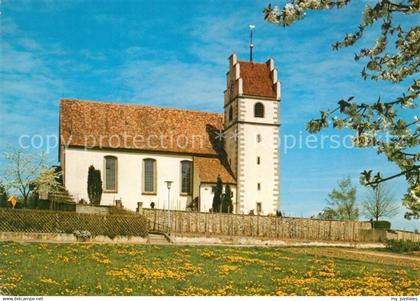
49, 180
328, 214
342, 202
94, 186
227, 205
217, 198
379, 202
377, 124
21, 170
3, 197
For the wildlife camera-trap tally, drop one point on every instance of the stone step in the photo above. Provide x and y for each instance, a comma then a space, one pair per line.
157, 239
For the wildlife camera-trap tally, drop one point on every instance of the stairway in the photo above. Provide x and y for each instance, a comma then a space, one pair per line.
158, 239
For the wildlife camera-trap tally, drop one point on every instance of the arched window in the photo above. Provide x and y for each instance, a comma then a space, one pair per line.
111, 176
230, 114
259, 110
149, 176
186, 177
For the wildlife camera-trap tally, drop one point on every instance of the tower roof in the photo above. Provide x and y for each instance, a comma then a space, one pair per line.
257, 80
252, 79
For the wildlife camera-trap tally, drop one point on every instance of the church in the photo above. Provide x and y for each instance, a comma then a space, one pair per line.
153, 154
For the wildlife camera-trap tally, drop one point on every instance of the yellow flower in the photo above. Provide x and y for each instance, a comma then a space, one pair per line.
226, 269
100, 258
158, 292
48, 281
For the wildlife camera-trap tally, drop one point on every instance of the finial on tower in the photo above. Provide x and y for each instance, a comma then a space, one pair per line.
251, 42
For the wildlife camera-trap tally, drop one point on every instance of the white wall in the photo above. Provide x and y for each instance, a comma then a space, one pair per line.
249, 172
77, 162
264, 173
247, 110
206, 196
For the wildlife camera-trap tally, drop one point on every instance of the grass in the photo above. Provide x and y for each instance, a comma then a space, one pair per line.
101, 269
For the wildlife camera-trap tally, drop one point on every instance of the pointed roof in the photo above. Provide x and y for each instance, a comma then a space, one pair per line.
257, 79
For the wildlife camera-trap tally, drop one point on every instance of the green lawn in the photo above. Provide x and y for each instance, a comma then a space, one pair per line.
100, 269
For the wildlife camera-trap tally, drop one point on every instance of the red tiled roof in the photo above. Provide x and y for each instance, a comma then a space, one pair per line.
257, 79
122, 126
209, 169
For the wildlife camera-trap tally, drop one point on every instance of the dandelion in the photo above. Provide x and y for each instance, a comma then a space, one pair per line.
226, 269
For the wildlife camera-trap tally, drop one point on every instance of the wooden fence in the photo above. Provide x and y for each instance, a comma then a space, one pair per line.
258, 226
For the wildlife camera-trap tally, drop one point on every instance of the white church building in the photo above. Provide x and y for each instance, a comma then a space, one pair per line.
139, 148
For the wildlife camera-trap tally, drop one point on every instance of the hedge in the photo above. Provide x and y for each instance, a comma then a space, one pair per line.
381, 225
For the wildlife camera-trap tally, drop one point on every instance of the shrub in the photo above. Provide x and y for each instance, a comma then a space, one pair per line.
381, 225
399, 246
3, 197
227, 205
193, 205
217, 198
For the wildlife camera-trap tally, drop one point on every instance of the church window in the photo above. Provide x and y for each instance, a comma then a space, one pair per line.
230, 114
259, 110
149, 176
110, 174
186, 177
259, 186
259, 138
258, 160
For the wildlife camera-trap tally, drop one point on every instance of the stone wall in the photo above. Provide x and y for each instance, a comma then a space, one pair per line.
88, 209
403, 235
208, 224
68, 238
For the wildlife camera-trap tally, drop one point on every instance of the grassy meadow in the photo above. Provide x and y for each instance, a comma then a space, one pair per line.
104, 269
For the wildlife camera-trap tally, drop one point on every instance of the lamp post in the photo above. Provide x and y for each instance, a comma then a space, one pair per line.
169, 184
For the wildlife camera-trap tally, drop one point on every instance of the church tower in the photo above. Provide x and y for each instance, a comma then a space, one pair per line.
251, 130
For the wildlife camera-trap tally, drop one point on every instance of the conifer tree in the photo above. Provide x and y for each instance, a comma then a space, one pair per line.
3, 197
94, 186
217, 198
227, 206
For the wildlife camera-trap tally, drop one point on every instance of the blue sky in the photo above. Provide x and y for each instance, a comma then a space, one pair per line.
174, 53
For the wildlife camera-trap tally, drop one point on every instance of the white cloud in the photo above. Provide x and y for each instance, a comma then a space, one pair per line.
29, 86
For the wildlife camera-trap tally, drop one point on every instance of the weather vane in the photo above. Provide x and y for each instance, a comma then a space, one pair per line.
251, 42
